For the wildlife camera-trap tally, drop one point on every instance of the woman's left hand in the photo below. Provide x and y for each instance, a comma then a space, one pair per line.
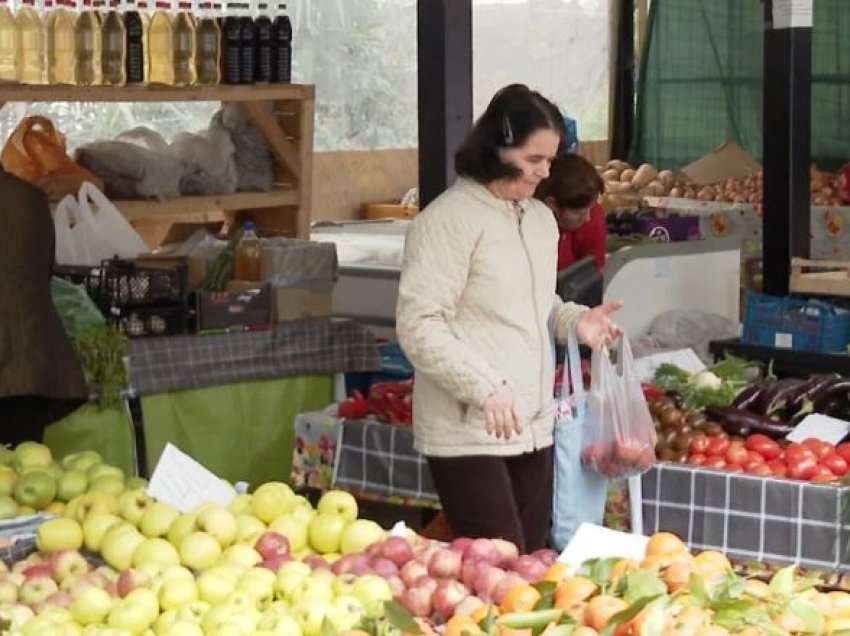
596, 329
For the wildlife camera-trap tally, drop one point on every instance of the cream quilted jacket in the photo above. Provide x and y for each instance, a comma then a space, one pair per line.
476, 301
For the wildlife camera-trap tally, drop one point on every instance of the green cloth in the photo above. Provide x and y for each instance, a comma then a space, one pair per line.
701, 81
107, 431
241, 432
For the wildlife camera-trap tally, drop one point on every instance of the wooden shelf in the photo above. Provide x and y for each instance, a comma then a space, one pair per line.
168, 208
144, 93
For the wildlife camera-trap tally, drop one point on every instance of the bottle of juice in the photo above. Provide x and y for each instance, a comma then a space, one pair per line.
184, 45
263, 27
31, 49
249, 255
62, 44
247, 46
136, 51
8, 44
114, 66
231, 43
281, 47
89, 46
207, 46
161, 46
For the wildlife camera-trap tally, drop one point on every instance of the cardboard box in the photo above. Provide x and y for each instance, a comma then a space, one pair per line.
242, 305
729, 161
299, 303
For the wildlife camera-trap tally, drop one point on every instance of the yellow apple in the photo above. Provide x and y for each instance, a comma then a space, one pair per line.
272, 500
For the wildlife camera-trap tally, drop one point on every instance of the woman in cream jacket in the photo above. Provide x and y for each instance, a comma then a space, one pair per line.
476, 303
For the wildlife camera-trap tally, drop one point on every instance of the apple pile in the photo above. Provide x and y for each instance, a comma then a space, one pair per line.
623, 457
30, 479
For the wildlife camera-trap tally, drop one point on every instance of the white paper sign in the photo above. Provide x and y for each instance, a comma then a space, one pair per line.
685, 359
182, 482
596, 542
823, 427
792, 13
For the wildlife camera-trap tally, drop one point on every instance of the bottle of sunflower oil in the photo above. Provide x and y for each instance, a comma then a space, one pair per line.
62, 43
89, 46
8, 44
184, 45
114, 59
161, 46
207, 47
31, 49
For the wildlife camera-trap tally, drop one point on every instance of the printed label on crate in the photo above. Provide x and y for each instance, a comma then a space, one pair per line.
184, 483
828, 429
783, 340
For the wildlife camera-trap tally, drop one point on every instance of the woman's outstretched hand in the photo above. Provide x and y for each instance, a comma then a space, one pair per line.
596, 329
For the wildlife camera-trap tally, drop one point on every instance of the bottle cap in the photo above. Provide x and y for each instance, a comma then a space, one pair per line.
248, 226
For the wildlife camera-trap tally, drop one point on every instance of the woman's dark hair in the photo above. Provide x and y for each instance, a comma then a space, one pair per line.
514, 114
572, 182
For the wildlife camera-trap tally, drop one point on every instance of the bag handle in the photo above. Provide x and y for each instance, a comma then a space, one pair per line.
572, 372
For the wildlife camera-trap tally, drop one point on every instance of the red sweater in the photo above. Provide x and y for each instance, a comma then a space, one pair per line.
588, 240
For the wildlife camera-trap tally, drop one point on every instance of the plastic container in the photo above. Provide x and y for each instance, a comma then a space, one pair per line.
136, 64
231, 43
184, 46
263, 27
114, 61
208, 47
89, 46
160, 47
281, 47
247, 46
31, 49
249, 256
62, 43
8, 44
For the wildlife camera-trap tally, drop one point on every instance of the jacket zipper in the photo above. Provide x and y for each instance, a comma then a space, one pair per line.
541, 339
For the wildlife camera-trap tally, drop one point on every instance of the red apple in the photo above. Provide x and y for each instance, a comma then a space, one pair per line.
383, 567
482, 550
460, 544
445, 564
316, 562
424, 552
530, 568
396, 585
447, 596
348, 562
468, 605
62, 599
508, 551
274, 562
411, 571
127, 581
270, 544
37, 570
546, 556
486, 581
469, 571
426, 582
374, 549
397, 550
417, 601
505, 585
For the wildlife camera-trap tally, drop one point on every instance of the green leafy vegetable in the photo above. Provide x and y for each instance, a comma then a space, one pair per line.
732, 375
101, 351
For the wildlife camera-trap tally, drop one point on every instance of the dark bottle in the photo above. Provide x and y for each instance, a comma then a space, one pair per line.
248, 47
263, 26
231, 46
281, 47
134, 61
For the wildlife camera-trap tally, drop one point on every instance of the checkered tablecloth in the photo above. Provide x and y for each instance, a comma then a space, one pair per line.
380, 458
748, 517
310, 347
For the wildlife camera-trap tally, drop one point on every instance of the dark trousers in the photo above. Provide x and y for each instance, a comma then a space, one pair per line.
497, 497
24, 418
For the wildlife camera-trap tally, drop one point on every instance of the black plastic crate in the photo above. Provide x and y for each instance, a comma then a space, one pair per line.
148, 321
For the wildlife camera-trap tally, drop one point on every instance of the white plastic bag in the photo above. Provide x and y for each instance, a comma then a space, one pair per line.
619, 440
72, 237
112, 235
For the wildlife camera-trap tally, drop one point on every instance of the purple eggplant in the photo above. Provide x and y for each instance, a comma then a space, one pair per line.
737, 422
814, 385
832, 393
749, 396
776, 394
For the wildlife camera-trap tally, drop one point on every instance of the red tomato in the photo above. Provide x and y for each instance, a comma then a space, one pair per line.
752, 464
764, 446
762, 470
795, 451
818, 446
836, 464
822, 475
753, 456
699, 444
778, 467
697, 459
755, 439
802, 466
844, 450
736, 454
717, 446
735, 468
713, 461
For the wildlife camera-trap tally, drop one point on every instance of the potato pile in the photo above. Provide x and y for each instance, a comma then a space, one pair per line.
623, 180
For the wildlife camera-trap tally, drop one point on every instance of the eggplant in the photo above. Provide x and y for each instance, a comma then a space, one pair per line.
737, 422
776, 393
838, 389
817, 383
748, 397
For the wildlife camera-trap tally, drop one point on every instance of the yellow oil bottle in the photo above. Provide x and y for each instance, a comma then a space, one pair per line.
208, 47
61, 43
184, 45
89, 46
114, 47
161, 46
31, 68
8, 44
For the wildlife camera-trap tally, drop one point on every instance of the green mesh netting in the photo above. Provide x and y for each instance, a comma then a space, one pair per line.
700, 81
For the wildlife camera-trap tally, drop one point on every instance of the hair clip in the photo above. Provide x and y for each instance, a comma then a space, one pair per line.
507, 131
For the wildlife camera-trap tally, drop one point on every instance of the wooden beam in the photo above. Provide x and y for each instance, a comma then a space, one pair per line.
284, 151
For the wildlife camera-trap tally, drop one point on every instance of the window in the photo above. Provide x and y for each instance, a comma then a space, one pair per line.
558, 47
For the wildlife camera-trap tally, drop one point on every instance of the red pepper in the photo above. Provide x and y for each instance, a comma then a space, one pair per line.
652, 393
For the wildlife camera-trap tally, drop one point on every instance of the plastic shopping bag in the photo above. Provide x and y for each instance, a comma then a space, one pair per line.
114, 236
75, 308
579, 495
619, 441
73, 234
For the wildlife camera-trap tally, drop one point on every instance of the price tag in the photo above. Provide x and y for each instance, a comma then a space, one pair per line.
788, 14
184, 483
597, 542
822, 427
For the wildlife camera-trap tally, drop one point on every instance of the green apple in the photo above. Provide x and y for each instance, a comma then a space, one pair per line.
7, 456
133, 504
91, 606
242, 554
107, 483
82, 460
312, 589
157, 519
271, 500
136, 483
279, 624
130, 616
105, 470
338, 502
295, 530
118, 546
359, 535
35, 489
181, 527
163, 621
348, 612
156, 550
147, 600
219, 523
311, 614
289, 576
95, 526
240, 504
372, 591
199, 550
71, 484
59, 534
343, 584
36, 590
94, 502
194, 611
8, 477
32, 454
177, 593
259, 588
8, 507
214, 586
305, 515
248, 528
68, 566
182, 627
325, 532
